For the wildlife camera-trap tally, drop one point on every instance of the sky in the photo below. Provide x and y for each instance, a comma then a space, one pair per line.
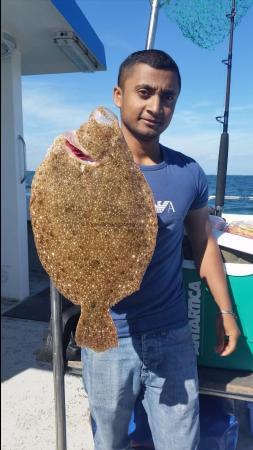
53, 104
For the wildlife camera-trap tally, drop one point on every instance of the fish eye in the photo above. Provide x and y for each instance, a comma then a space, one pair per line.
104, 116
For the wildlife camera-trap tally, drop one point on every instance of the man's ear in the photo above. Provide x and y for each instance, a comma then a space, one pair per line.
117, 96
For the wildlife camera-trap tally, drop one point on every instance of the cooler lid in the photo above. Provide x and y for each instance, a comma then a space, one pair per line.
233, 241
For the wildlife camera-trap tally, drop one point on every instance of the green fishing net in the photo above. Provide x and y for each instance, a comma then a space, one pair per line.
205, 22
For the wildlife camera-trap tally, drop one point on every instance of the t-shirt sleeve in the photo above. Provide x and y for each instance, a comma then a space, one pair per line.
201, 198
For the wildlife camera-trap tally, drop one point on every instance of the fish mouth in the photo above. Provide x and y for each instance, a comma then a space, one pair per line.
75, 150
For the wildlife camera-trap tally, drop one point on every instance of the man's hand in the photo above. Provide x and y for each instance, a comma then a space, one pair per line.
227, 334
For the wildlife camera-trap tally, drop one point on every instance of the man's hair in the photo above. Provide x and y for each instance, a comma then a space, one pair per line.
153, 58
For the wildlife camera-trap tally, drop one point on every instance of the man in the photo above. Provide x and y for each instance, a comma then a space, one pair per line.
155, 360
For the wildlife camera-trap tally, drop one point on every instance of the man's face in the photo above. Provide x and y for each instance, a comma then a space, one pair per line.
147, 101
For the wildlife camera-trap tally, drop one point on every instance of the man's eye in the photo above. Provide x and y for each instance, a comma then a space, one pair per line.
169, 98
143, 93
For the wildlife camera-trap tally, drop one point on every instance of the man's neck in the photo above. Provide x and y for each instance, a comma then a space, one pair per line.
145, 153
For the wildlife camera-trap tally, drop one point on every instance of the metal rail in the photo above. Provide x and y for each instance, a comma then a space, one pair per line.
58, 368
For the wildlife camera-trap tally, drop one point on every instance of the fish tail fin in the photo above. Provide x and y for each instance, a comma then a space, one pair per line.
96, 331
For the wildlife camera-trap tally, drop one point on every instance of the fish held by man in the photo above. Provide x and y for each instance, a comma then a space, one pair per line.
94, 223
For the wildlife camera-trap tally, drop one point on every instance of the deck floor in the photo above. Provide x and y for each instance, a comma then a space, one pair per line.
28, 419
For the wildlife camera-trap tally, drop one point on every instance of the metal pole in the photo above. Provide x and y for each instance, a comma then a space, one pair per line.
58, 368
224, 140
152, 24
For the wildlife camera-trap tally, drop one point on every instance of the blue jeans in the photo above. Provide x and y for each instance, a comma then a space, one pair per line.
160, 369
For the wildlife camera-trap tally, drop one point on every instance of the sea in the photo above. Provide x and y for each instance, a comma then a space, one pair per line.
238, 195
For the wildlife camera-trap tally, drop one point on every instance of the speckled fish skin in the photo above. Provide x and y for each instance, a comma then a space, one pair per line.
94, 223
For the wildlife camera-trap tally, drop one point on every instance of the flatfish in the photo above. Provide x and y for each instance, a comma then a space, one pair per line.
94, 223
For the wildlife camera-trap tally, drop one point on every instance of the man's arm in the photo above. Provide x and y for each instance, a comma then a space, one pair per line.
208, 260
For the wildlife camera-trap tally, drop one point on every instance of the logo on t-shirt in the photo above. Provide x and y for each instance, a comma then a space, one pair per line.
160, 206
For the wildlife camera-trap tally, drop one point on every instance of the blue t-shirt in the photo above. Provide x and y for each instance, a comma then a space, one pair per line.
179, 185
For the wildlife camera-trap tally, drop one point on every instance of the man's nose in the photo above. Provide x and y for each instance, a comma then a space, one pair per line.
155, 104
